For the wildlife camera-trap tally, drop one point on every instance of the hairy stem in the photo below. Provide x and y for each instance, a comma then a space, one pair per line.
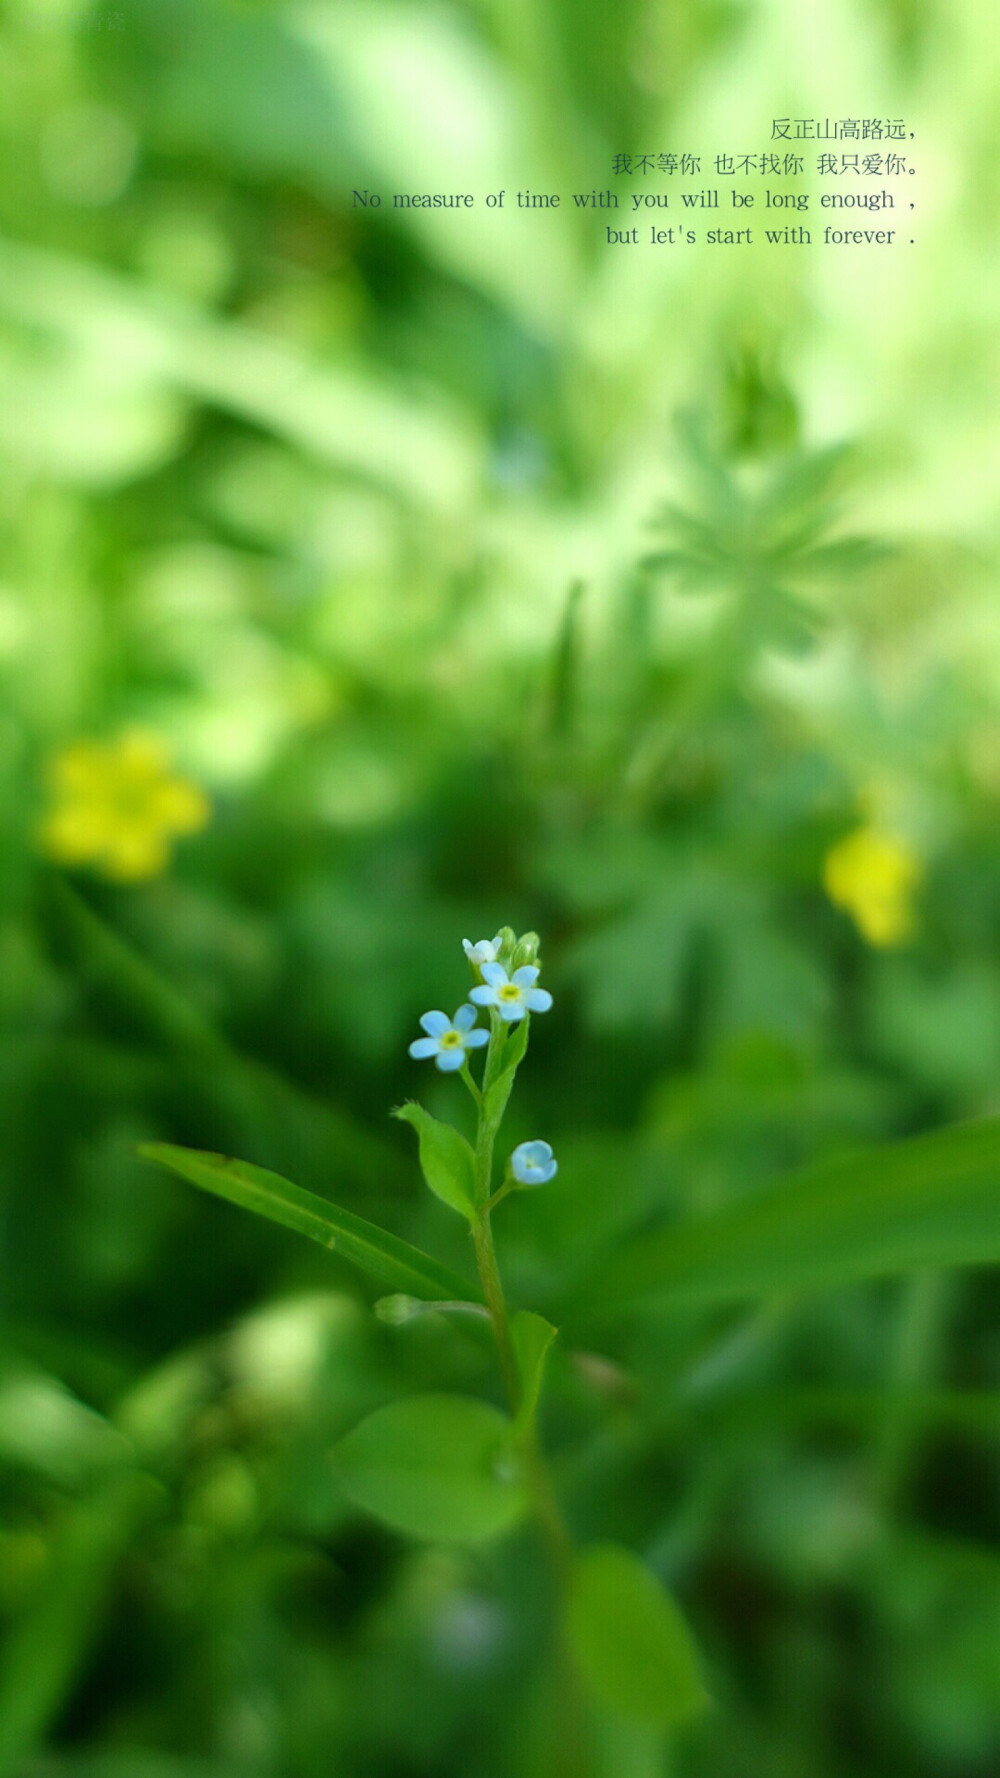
509, 1185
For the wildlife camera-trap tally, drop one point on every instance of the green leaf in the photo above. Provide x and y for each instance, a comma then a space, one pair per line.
532, 1336
629, 1639
446, 1159
436, 1466
381, 1255
929, 1201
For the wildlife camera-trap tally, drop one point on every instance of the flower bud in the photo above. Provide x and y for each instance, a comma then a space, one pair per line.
508, 939
396, 1311
533, 1163
526, 950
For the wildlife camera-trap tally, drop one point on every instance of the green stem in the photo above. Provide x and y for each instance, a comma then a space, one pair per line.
543, 1496
457, 1308
539, 1482
496, 1302
490, 1205
486, 1132
482, 1232
470, 1083
494, 1053
555, 1536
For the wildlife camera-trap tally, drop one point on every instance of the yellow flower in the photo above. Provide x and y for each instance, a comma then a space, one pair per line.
873, 876
116, 806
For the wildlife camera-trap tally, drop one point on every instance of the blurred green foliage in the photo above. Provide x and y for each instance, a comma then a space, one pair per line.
388, 526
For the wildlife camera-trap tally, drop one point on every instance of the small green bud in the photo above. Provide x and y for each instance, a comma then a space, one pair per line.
396, 1311
526, 950
508, 940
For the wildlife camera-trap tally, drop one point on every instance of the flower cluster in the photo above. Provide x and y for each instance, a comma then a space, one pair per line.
511, 996
506, 972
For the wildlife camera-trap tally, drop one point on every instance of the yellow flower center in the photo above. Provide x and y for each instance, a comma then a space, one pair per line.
451, 1040
510, 991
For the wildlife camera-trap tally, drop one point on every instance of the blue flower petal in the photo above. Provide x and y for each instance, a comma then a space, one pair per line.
449, 1060
511, 1010
483, 996
524, 976
494, 973
476, 1039
422, 1047
465, 1018
435, 1023
538, 999
536, 1152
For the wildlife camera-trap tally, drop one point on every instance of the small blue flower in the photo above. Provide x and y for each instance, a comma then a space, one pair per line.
485, 950
532, 1163
448, 1039
513, 996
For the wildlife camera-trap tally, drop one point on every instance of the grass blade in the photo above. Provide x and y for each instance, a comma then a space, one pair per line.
928, 1201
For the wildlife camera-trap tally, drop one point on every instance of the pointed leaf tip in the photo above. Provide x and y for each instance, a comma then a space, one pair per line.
446, 1160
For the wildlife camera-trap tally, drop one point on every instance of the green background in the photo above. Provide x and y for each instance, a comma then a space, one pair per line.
356, 510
